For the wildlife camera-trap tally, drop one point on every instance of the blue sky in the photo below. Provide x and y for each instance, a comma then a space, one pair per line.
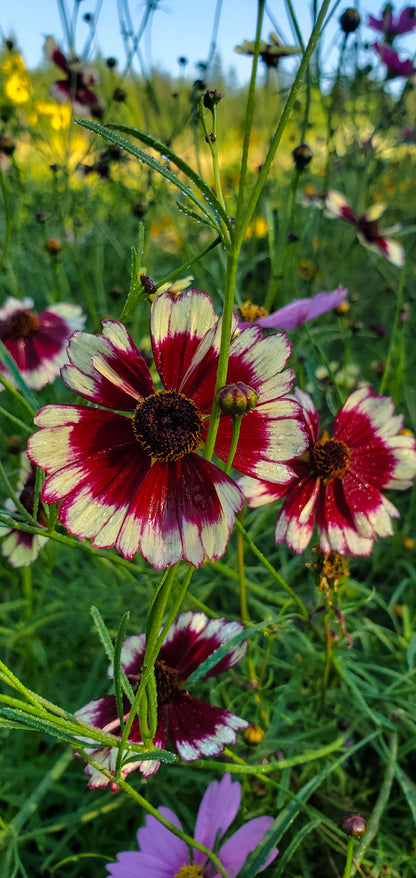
178, 27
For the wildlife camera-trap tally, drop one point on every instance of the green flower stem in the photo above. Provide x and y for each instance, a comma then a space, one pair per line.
8, 219
382, 801
211, 139
242, 226
329, 645
140, 703
271, 569
348, 862
17, 395
234, 442
27, 590
326, 363
244, 608
14, 420
239, 766
175, 608
389, 369
251, 101
68, 541
221, 380
13, 496
159, 817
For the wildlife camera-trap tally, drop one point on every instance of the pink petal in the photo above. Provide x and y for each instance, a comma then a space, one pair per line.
185, 511
177, 326
197, 729
157, 841
193, 638
107, 369
300, 310
130, 864
218, 808
235, 851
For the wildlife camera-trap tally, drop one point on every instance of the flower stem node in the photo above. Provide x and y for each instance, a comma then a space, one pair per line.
236, 399
302, 156
350, 20
353, 825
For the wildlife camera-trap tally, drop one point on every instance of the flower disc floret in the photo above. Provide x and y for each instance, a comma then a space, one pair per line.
22, 324
167, 425
329, 458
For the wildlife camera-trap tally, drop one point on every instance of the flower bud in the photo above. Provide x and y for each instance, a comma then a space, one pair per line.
148, 284
53, 246
353, 825
302, 156
211, 99
111, 62
119, 95
7, 145
349, 20
253, 734
236, 399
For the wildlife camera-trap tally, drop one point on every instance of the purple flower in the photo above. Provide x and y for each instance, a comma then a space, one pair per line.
196, 729
19, 547
163, 855
391, 25
301, 310
75, 88
37, 342
395, 67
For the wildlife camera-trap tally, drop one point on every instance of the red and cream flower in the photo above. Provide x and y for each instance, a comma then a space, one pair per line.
196, 729
37, 342
339, 481
21, 548
75, 88
366, 225
136, 480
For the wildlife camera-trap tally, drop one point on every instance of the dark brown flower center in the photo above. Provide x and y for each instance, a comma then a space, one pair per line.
168, 682
23, 324
329, 458
368, 228
167, 425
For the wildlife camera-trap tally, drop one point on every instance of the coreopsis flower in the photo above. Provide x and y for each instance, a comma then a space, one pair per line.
129, 472
163, 855
394, 25
270, 52
340, 480
368, 232
297, 312
75, 88
37, 342
395, 66
196, 729
21, 548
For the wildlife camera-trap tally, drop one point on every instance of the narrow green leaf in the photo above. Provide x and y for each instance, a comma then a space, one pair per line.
285, 858
117, 666
210, 212
222, 651
10, 365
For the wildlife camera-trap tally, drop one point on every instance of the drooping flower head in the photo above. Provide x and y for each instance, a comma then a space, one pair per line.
395, 66
394, 25
368, 232
340, 480
163, 855
295, 313
196, 729
37, 342
21, 548
271, 52
137, 480
75, 88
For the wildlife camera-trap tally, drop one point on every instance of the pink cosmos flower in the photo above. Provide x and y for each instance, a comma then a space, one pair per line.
163, 855
339, 481
75, 88
37, 342
196, 729
394, 25
19, 547
300, 310
395, 67
368, 232
136, 480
